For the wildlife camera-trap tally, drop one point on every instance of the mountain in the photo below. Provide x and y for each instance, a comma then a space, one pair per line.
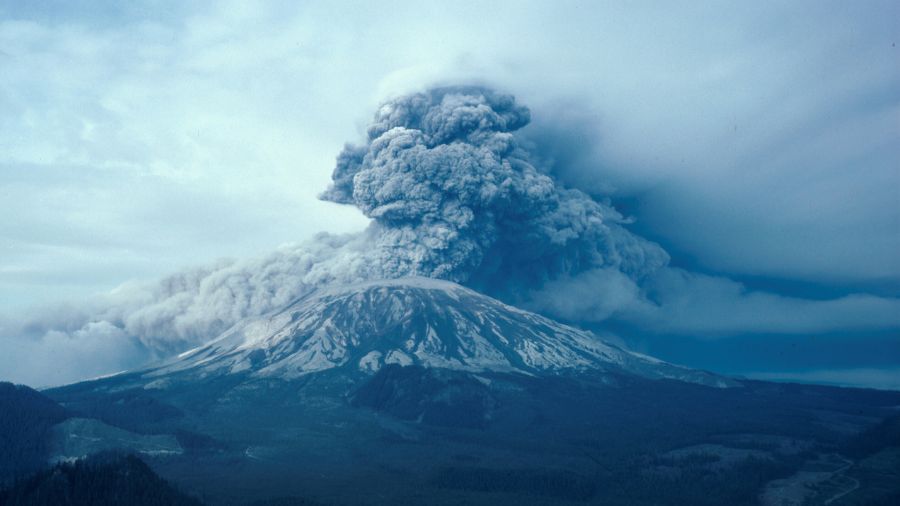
412, 321
418, 391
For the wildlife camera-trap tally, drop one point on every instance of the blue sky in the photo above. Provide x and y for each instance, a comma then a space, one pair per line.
757, 143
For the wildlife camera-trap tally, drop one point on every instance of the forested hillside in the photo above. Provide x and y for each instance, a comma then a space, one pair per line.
26, 416
101, 480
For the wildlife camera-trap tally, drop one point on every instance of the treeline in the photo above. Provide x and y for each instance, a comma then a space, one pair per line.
870, 441
100, 480
695, 483
133, 410
26, 417
698, 484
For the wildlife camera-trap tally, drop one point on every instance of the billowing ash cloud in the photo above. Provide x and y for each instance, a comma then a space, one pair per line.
453, 195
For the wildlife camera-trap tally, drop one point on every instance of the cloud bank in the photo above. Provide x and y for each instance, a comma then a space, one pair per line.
680, 302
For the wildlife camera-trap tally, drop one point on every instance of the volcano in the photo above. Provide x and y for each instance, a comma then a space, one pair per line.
412, 321
422, 391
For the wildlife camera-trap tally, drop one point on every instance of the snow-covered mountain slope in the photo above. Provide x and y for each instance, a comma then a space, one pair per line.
408, 321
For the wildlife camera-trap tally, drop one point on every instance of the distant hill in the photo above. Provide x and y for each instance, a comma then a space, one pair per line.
101, 480
26, 417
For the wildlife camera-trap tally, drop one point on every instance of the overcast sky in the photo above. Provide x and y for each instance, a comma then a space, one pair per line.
757, 142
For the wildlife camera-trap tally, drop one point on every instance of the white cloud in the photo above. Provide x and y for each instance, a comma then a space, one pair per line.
698, 304
60, 357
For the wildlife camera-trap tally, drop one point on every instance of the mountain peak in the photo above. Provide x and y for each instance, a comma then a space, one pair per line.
410, 321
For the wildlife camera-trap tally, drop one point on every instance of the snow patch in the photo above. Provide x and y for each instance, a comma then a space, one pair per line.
398, 357
371, 362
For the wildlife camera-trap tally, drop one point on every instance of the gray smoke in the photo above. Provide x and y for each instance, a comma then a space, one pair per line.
455, 195
451, 193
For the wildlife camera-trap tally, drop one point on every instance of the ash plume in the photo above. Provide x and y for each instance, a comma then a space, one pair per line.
452, 194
